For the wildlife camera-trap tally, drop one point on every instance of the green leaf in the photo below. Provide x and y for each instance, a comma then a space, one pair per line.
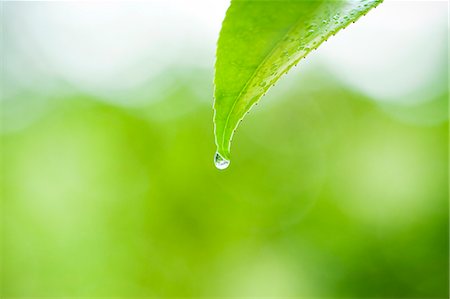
259, 42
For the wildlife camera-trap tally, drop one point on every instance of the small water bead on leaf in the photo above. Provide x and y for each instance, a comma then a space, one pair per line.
309, 33
220, 162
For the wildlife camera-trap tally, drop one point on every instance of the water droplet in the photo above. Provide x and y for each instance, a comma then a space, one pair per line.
220, 162
311, 31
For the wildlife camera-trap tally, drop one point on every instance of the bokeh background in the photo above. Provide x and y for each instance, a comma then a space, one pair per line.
338, 185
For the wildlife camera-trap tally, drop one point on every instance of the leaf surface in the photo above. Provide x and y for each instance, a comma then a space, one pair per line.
259, 42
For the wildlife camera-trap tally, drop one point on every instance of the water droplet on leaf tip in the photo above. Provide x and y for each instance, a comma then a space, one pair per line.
220, 162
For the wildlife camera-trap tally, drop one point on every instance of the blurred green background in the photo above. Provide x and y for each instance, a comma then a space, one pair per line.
103, 198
